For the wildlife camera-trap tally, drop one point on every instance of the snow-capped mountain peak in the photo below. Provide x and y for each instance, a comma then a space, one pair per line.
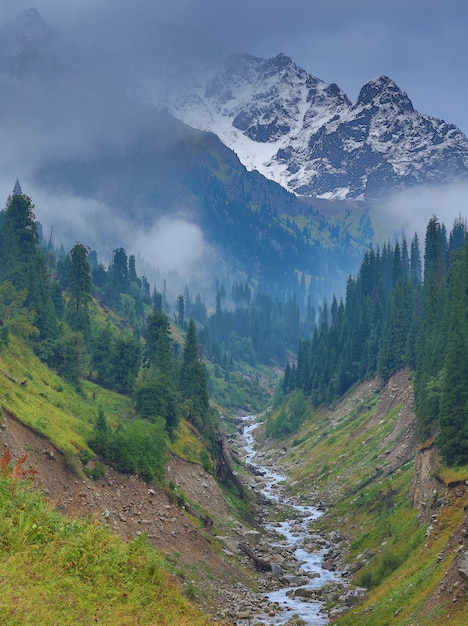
384, 91
280, 120
306, 135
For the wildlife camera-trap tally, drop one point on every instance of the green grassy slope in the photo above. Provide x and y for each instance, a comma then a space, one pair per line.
61, 571
359, 457
48, 404
57, 571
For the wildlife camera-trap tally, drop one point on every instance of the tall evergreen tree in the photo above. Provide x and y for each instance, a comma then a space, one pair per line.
435, 250
405, 259
15, 317
193, 386
23, 264
394, 353
157, 340
453, 415
119, 270
415, 262
101, 357
126, 356
181, 310
132, 275
458, 235
73, 355
79, 290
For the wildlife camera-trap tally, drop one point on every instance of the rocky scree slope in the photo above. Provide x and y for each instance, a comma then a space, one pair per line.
172, 521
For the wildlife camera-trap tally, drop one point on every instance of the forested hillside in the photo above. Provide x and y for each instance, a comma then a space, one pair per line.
404, 308
110, 327
88, 322
253, 228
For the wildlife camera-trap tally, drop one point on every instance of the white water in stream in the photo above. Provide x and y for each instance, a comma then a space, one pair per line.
292, 534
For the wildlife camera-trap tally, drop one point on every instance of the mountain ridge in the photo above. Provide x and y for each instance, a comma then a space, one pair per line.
306, 134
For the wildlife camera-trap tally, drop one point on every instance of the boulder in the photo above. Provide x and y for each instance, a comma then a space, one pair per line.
463, 565
305, 592
231, 544
276, 570
292, 580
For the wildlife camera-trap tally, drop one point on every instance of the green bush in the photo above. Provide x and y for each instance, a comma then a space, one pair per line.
373, 575
96, 472
137, 448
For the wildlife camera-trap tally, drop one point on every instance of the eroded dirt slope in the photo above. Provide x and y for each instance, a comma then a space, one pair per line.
130, 506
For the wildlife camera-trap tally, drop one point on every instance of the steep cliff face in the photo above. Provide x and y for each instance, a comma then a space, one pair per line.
442, 505
426, 489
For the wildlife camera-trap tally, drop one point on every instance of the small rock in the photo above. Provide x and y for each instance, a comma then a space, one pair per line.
276, 570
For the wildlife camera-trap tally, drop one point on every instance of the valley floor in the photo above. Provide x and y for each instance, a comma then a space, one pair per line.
360, 459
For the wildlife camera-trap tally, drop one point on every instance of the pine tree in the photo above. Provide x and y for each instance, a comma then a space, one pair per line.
119, 271
73, 357
181, 311
15, 317
157, 340
430, 350
22, 263
125, 360
435, 250
395, 340
132, 275
101, 358
397, 264
101, 433
405, 260
458, 235
157, 301
415, 262
193, 386
287, 379
79, 290
19, 236
155, 397
453, 415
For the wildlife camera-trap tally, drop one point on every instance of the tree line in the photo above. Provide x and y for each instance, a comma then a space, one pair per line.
400, 310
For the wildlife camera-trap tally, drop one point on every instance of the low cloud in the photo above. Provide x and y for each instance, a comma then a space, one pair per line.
73, 218
409, 211
171, 244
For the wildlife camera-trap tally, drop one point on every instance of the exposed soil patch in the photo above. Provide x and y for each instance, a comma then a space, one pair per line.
130, 506
199, 487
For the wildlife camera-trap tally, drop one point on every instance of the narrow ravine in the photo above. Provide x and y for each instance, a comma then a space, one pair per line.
297, 597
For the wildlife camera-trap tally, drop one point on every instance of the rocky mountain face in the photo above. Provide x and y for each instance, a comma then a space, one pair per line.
306, 135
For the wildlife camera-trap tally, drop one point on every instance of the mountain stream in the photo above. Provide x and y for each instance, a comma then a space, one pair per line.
295, 599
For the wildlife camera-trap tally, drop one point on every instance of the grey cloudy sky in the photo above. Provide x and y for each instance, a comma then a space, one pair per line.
421, 44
